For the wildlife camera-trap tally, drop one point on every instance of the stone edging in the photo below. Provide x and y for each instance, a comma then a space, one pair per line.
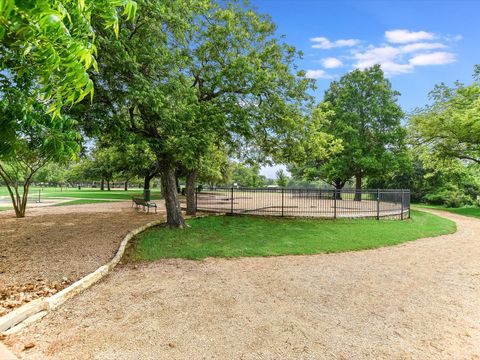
37, 309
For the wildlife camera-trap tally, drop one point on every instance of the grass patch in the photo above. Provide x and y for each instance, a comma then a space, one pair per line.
85, 193
82, 201
224, 236
465, 211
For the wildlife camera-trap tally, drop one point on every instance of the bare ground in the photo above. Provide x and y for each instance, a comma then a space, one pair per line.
54, 246
419, 300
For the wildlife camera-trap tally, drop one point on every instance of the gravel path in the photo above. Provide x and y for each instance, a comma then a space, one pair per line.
419, 300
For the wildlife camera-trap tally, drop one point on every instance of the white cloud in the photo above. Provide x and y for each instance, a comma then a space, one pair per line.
402, 36
317, 74
331, 63
393, 59
435, 58
324, 43
421, 46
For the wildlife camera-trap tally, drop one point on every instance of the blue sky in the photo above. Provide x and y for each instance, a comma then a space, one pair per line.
418, 43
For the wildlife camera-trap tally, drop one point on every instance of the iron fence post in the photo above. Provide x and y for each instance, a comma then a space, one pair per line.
378, 204
401, 213
335, 203
283, 196
409, 205
231, 198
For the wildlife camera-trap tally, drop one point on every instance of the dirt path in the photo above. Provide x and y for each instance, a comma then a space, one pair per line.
419, 300
54, 246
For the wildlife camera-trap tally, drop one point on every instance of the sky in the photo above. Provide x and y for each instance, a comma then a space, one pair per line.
417, 43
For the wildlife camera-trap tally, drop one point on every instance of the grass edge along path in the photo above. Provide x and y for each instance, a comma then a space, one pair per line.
464, 211
238, 236
85, 201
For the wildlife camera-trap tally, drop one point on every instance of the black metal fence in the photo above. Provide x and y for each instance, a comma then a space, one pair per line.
321, 203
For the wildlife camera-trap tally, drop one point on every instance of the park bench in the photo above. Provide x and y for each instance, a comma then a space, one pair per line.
145, 204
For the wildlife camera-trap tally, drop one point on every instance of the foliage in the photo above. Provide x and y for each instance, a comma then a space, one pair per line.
282, 178
449, 128
361, 110
33, 139
247, 175
237, 236
54, 40
189, 75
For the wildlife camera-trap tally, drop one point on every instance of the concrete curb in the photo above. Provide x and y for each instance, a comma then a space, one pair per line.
27, 314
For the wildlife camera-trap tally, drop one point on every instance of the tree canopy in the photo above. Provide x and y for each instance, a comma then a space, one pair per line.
362, 111
449, 128
54, 40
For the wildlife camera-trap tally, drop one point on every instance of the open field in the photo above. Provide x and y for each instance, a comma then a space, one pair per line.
417, 300
236, 236
465, 211
54, 196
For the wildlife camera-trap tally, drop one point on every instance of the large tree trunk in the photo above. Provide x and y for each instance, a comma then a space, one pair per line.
169, 189
146, 182
108, 185
190, 192
339, 184
358, 187
102, 185
125, 185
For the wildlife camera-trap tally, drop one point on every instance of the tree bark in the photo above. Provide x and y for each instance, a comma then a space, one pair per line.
190, 192
358, 187
102, 185
339, 184
169, 190
146, 182
125, 187
108, 185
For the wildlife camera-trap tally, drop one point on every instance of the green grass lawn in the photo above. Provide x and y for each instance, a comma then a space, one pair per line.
465, 211
86, 193
225, 236
83, 201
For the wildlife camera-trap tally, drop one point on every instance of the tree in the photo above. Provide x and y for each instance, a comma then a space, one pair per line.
32, 140
363, 112
187, 75
54, 41
282, 178
449, 128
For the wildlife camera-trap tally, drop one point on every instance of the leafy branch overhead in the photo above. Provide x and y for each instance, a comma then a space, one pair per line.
56, 42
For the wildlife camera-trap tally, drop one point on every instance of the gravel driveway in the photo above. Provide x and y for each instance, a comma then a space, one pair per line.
419, 300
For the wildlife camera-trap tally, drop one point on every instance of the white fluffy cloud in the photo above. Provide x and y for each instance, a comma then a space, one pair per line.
324, 43
421, 46
317, 74
331, 62
403, 51
435, 58
402, 36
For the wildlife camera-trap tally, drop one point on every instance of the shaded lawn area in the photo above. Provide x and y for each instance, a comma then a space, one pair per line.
85, 193
83, 201
465, 211
225, 236
99, 194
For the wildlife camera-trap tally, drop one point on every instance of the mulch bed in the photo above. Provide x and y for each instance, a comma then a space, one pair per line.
53, 247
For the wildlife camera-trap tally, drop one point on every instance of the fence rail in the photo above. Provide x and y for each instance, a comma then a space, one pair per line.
321, 203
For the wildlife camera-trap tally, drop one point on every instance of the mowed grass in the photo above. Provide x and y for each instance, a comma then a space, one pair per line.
236, 236
86, 193
83, 201
465, 211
